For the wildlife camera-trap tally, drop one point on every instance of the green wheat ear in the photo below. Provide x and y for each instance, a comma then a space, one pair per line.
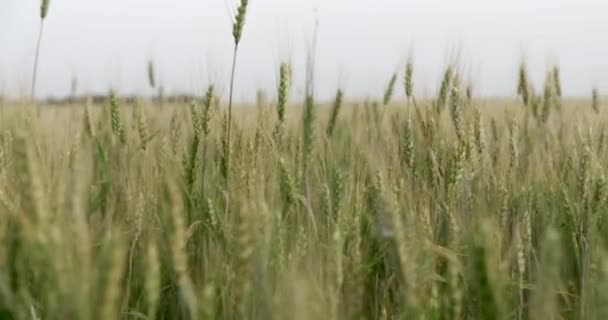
334, 112
523, 87
388, 94
151, 74
409, 79
117, 127
444, 89
283, 90
239, 21
44, 8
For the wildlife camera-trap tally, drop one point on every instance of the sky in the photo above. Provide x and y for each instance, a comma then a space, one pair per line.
361, 43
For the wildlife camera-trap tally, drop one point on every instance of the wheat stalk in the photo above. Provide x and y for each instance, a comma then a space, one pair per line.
237, 32
44, 9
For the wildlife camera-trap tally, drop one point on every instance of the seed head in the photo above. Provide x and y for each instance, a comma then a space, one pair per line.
557, 81
117, 127
334, 112
595, 100
151, 75
445, 88
44, 8
523, 85
549, 98
207, 104
409, 78
388, 94
239, 21
283, 90
457, 112
479, 132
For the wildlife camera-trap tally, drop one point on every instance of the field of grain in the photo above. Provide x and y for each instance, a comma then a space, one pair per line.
447, 207
451, 208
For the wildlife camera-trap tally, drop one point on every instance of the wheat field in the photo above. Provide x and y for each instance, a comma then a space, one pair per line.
477, 209
444, 207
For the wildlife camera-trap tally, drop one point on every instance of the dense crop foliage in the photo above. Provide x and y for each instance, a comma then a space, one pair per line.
451, 207
448, 208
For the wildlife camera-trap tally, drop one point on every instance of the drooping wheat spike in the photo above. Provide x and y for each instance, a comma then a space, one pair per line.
335, 109
117, 127
523, 85
595, 101
151, 74
456, 111
390, 89
283, 95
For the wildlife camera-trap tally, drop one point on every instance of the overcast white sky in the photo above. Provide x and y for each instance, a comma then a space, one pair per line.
361, 42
